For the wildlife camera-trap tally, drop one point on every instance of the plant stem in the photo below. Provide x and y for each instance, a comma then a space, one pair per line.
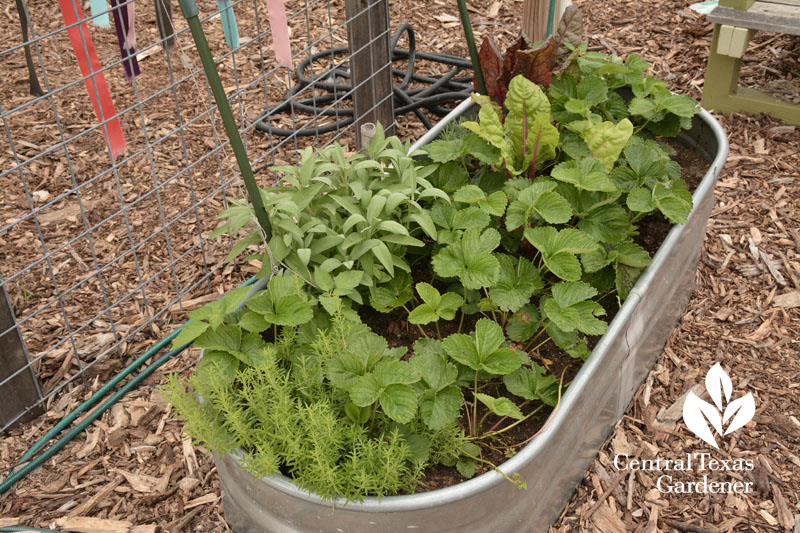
420, 326
475, 403
469, 420
484, 461
463, 311
438, 331
521, 420
473, 51
530, 342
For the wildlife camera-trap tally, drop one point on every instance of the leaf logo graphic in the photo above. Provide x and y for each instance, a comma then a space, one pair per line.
700, 416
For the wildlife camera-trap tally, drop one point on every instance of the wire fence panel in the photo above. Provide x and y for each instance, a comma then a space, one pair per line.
103, 252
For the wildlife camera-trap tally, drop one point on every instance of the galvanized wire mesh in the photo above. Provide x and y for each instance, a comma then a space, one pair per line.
100, 255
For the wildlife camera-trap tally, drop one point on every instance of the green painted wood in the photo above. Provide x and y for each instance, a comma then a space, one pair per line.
766, 16
721, 91
737, 4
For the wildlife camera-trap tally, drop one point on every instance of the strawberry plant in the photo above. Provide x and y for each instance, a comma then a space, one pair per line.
501, 250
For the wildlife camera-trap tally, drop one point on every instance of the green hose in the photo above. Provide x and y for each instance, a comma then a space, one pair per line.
15, 476
12, 529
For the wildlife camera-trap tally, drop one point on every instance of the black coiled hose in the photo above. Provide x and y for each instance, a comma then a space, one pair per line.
451, 87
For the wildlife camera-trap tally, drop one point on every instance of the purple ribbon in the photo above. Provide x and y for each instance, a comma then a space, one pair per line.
126, 36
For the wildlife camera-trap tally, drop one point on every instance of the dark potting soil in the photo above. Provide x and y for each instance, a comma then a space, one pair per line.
652, 231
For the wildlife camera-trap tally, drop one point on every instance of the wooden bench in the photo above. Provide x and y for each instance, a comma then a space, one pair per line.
735, 23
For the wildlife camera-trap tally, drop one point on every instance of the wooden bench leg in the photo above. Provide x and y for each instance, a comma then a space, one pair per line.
721, 89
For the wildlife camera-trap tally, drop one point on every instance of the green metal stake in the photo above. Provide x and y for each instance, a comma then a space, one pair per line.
189, 9
473, 51
551, 15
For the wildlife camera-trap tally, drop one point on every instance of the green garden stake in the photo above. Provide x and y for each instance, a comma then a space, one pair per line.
189, 9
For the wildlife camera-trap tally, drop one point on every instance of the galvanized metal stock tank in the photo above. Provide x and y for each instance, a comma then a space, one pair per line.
553, 463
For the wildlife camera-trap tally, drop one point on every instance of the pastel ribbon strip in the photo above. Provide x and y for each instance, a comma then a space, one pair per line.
229, 23
100, 13
280, 32
92, 71
126, 36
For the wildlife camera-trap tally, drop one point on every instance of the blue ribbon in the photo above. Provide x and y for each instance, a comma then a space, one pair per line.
100, 13
229, 23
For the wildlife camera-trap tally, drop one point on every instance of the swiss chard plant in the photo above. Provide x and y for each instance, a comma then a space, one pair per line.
502, 250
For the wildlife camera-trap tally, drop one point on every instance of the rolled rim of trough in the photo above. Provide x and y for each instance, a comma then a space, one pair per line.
572, 395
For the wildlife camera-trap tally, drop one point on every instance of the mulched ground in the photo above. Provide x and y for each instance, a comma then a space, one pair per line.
134, 468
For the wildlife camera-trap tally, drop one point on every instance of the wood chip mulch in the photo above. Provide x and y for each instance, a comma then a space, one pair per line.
133, 471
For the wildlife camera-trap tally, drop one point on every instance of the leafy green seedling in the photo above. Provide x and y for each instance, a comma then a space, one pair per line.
482, 351
523, 324
538, 199
389, 384
436, 306
470, 259
558, 249
441, 399
500, 406
518, 281
494, 204
570, 308
533, 384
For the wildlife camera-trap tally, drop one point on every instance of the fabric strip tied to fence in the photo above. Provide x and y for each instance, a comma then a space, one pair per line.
92, 71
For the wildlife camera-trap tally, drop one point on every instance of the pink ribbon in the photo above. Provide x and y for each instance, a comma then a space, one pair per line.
280, 32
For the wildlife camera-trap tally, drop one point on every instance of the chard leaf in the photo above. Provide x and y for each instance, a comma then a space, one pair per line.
606, 140
491, 62
517, 282
534, 64
570, 31
558, 249
523, 324
490, 129
533, 384
500, 406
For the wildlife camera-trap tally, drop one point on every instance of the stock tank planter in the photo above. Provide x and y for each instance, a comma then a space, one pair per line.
555, 461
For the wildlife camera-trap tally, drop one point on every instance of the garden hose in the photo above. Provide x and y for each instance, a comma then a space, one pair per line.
16, 475
13, 529
453, 86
